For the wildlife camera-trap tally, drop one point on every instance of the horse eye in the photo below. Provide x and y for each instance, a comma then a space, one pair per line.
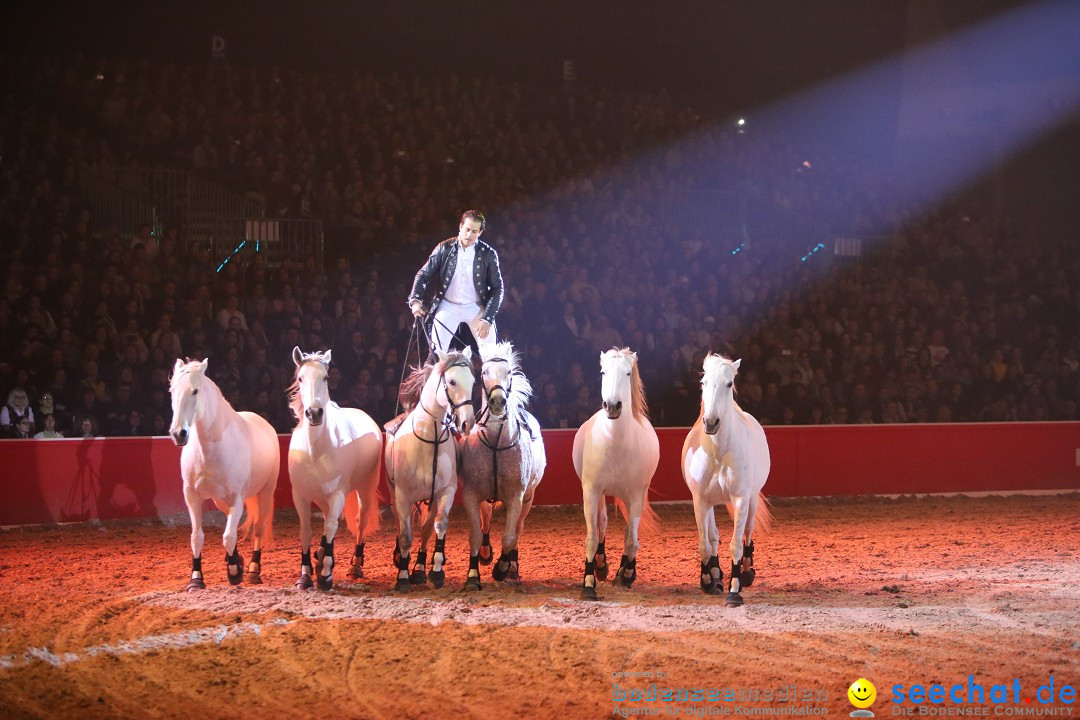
195, 391
730, 384
452, 382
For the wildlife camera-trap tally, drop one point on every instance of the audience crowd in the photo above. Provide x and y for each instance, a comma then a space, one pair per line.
949, 314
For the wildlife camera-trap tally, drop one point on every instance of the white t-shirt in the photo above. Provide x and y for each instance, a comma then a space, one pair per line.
461, 289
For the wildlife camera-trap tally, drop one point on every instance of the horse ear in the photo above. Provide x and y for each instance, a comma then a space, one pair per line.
203, 364
467, 352
326, 356
297, 356
440, 355
737, 363
179, 364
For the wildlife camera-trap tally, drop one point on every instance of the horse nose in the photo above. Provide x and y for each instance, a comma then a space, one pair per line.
180, 437
314, 416
711, 425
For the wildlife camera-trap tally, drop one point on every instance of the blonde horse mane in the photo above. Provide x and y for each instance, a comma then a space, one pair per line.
413, 386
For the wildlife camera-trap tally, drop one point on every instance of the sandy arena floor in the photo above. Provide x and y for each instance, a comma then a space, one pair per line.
94, 622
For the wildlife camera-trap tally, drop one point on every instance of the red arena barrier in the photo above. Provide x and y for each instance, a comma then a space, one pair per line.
48, 481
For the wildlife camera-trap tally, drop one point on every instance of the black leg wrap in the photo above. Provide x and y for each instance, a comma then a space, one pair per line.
746, 572
421, 558
238, 561
256, 557
358, 553
196, 583
709, 584
419, 574
627, 571
588, 592
305, 558
601, 567
438, 577
486, 553
327, 547
196, 564
500, 573
474, 562
734, 599
401, 562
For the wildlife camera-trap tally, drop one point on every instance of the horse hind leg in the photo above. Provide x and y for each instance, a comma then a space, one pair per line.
264, 504
628, 563
367, 507
746, 565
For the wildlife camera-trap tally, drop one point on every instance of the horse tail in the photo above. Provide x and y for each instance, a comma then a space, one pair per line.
371, 513
649, 523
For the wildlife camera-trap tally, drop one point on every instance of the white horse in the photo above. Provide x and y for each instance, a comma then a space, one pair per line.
616, 453
229, 457
334, 462
725, 459
422, 459
502, 459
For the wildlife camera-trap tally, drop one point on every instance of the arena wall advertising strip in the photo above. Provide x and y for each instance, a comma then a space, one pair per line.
49, 481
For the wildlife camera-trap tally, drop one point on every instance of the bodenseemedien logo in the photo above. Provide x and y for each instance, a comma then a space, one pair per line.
862, 694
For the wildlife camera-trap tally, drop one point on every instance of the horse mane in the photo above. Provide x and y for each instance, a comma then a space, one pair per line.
637, 390
186, 369
296, 404
521, 389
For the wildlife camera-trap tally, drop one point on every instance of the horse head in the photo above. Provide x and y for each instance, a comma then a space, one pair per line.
456, 376
184, 386
310, 393
497, 374
616, 371
717, 390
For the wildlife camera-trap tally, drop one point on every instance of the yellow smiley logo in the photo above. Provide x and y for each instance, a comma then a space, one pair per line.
862, 693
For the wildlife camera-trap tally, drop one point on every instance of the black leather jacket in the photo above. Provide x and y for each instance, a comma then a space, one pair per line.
487, 277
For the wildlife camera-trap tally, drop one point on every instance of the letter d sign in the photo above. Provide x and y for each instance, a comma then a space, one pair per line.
217, 46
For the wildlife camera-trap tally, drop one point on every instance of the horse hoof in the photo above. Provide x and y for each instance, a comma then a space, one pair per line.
601, 567
418, 577
588, 592
195, 584
356, 572
472, 583
438, 578
486, 554
304, 583
253, 578
499, 575
326, 583
708, 586
733, 600
512, 572
402, 585
746, 577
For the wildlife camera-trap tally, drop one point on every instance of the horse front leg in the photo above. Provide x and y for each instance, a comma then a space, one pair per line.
486, 553
473, 504
746, 566
303, 509
601, 532
591, 501
234, 561
506, 568
403, 546
444, 501
740, 509
712, 577
194, 504
324, 557
628, 563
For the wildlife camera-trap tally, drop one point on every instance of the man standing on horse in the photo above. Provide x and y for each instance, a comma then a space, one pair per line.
467, 282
